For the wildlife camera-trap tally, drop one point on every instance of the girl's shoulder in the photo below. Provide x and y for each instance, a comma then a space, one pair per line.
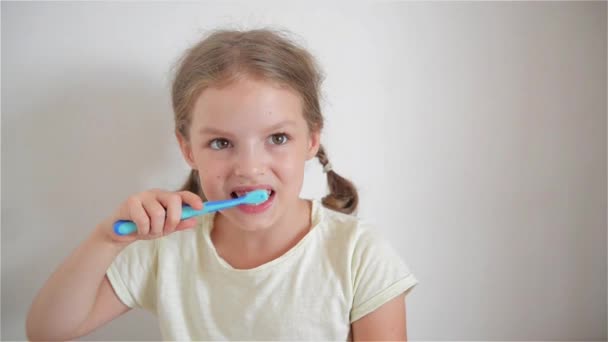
372, 262
347, 229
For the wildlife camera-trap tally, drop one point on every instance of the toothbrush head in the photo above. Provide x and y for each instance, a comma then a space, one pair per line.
255, 197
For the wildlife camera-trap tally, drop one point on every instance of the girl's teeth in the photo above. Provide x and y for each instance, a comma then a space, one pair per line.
243, 193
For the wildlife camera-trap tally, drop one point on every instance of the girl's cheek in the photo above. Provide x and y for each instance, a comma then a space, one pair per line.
291, 153
213, 174
289, 164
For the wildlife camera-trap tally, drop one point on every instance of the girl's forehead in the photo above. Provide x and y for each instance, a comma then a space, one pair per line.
247, 102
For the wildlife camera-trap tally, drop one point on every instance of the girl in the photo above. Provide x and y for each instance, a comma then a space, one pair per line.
247, 117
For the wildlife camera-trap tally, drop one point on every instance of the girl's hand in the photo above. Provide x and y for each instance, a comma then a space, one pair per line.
155, 212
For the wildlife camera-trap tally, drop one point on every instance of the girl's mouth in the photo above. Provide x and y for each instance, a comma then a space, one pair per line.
257, 208
237, 194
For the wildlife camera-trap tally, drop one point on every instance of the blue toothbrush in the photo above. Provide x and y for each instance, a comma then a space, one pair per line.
126, 227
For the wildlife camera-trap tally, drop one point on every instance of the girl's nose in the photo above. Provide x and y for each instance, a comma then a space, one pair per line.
249, 163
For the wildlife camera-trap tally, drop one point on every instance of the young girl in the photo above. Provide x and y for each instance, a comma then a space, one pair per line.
247, 117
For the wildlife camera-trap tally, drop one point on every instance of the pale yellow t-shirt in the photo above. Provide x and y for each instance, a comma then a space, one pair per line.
339, 272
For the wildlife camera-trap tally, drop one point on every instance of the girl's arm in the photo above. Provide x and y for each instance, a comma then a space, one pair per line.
77, 297
387, 323
107, 307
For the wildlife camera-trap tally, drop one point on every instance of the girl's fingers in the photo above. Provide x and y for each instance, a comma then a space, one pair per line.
186, 224
173, 203
138, 214
191, 199
157, 214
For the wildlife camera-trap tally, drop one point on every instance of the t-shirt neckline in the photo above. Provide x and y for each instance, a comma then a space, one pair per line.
207, 224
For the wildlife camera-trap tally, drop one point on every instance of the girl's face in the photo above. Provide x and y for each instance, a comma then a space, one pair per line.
247, 135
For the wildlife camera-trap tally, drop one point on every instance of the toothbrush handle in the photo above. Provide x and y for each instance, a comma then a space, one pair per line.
126, 227
211, 206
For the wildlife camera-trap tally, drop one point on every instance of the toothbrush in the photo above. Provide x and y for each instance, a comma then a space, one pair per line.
126, 227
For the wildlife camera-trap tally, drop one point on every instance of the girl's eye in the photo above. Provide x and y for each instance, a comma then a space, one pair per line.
219, 144
278, 139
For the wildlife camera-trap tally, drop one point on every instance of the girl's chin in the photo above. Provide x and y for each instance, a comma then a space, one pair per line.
250, 223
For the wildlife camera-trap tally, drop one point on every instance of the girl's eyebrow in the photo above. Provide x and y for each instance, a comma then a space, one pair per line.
282, 124
213, 131
216, 131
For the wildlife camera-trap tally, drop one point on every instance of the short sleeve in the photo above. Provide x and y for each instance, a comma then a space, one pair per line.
378, 273
133, 274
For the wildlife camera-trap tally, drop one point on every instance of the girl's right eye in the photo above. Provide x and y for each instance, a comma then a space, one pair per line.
219, 144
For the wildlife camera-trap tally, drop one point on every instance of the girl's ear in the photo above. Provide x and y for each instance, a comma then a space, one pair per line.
186, 149
313, 144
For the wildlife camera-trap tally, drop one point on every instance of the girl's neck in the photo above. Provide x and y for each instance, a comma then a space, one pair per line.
242, 249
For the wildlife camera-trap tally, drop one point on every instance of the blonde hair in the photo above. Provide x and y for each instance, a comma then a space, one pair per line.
224, 56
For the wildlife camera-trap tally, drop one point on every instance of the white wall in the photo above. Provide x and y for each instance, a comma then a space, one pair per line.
475, 131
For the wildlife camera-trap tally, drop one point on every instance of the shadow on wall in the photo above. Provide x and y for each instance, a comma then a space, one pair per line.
90, 142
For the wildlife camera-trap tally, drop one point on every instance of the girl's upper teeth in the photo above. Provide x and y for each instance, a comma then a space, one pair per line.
242, 193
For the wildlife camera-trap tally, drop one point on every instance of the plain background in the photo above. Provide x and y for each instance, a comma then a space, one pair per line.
476, 133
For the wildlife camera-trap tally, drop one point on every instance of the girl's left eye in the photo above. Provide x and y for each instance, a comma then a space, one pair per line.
278, 139
219, 144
